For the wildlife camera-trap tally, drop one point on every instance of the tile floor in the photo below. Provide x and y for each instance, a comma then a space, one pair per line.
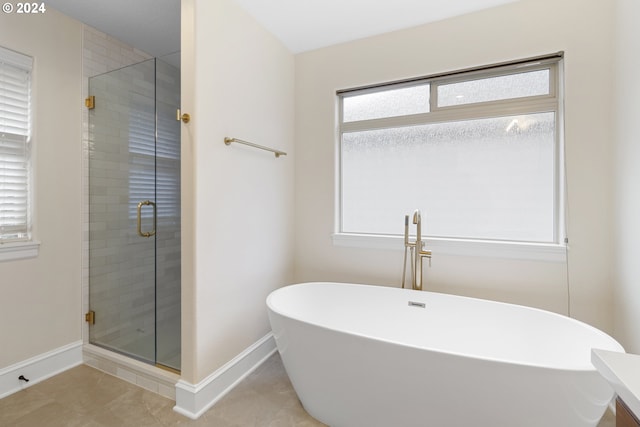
86, 397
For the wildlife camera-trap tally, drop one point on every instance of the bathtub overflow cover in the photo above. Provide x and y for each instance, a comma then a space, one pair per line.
416, 304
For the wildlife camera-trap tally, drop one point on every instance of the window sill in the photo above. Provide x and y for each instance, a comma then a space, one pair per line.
483, 248
19, 250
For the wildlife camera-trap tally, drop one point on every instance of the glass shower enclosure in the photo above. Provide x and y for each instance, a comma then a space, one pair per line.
134, 212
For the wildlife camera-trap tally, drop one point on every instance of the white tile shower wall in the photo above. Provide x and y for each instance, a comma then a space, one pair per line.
102, 54
121, 174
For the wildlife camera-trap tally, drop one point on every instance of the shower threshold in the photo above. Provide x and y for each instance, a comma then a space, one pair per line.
158, 379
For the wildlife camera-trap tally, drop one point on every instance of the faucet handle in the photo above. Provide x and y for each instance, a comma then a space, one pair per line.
426, 254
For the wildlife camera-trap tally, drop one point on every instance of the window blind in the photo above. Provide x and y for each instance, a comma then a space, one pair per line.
15, 138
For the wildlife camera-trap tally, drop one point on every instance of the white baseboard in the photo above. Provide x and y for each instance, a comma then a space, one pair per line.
39, 368
192, 400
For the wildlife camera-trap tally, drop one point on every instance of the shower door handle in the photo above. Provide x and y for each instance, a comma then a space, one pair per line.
155, 218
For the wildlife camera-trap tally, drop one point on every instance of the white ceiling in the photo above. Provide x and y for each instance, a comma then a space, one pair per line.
153, 26
304, 25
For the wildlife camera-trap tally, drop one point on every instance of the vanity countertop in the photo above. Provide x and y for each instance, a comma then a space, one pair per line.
622, 371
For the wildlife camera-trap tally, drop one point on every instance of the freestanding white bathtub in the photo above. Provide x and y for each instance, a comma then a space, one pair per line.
366, 356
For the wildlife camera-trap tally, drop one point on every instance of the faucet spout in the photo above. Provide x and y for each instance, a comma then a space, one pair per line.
419, 253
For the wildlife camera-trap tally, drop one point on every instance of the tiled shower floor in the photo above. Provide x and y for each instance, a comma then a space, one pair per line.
86, 397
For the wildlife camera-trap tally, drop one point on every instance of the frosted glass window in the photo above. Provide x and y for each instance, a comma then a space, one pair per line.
488, 169
388, 103
481, 179
509, 86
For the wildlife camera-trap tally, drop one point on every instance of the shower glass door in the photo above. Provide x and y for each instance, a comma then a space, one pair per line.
134, 212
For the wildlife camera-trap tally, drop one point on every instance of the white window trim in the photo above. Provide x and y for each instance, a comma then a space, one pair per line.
548, 252
19, 250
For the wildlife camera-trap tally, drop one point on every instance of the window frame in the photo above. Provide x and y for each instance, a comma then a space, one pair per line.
551, 102
25, 247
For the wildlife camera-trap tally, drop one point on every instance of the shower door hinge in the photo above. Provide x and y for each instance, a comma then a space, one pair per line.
90, 317
90, 102
182, 117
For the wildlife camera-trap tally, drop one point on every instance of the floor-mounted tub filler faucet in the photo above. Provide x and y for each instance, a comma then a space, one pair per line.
418, 253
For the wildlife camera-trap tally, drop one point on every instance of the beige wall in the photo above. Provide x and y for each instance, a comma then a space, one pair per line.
238, 81
40, 297
626, 253
518, 30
